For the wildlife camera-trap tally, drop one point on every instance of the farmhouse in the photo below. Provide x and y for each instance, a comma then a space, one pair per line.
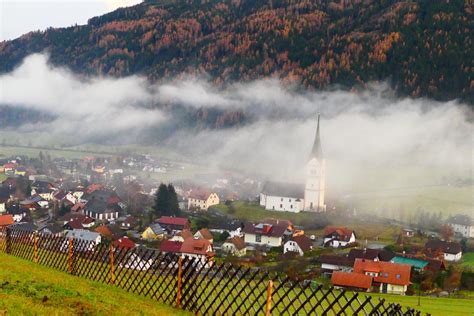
338, 237
462, 225
265, 234
235, 246
204, 234
202, 200
299, 244
174, 223
153, 232
449, 251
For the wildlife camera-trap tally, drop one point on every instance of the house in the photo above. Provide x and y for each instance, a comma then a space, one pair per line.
130, 222
391, 278
43, 188
17, 212
264, 234
5, 196
182, 235
9, 169
299, 244
407, 232
338, 237
204, 234
462, 225
138, 260
172, 224
449, 251
89, 239
6, 220
154, 232
124, 243
77, 221
111, 232
354, 281
53, 230
200, 249
235, 246
202, 200
101, 210
370, 254
331, 263
170, 246
20, 171
34, 202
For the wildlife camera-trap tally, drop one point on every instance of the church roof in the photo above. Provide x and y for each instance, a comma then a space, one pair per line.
289, 190
317, 151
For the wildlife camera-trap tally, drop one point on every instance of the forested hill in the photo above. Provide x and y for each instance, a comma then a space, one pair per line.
423, 48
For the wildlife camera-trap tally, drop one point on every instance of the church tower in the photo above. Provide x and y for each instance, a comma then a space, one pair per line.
315, 178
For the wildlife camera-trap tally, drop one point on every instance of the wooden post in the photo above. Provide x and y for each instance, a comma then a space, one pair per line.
180, 277
69, 261
112, 265
35, 248
8, 241
268, 306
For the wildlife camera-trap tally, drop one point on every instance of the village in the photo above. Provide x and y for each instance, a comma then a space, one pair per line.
102, 200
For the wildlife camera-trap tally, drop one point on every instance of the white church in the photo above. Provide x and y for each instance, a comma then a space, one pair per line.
294, 197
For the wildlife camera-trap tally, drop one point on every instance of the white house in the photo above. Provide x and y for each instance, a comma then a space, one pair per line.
264, 234
462, 225
92, 239
449, 251
235, 246
338, 237
298, 244
294, 197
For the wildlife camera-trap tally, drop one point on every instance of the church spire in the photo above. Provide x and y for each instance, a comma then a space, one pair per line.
317, 151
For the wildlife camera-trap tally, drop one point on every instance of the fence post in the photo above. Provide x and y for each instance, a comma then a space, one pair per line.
70, 254
112, 265
268, 305
8, 241
180, 277
35, 247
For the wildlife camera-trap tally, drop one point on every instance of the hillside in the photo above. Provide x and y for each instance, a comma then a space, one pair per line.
29, 289
423, 48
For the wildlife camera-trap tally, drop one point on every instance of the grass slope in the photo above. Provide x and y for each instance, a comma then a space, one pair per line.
29, 289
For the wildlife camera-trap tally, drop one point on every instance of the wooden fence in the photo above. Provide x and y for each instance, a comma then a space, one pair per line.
202, 287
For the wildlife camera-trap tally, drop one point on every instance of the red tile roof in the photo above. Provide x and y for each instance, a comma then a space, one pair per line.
387, 272
304, 242
6, 220
343, 232
197, 246
168, 220
124, 242
237, 241
206, 234
351, 279
171, 246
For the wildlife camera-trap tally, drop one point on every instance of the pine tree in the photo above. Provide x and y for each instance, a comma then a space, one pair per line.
161, 201
173, 200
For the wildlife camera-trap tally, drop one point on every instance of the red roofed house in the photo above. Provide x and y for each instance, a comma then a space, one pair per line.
6, 220
338, 237
355, 281
174, 223
124, 243
170, 246
202, 200
393, 278
265, 234
299, 244
200, 249
205, 234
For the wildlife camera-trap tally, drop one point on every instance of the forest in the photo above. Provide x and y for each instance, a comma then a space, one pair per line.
422, 48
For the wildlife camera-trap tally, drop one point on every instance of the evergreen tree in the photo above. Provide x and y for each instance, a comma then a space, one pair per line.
173, 200
161, 201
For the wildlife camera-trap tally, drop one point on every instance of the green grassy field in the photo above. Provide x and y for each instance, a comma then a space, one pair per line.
468, 260
30, 289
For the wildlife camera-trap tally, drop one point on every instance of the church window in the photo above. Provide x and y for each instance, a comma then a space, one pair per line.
281, 205
291, 206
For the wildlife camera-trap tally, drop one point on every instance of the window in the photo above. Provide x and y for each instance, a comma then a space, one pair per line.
289, 200
282, 199
281, 205
398, 276
258, 238
386, 274
291, 206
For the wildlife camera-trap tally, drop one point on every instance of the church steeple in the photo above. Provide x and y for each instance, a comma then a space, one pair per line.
317, 151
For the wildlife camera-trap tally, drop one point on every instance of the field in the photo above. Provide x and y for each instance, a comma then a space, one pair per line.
30, 289
468, 260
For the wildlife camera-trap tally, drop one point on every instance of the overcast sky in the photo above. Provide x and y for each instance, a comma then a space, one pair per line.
18, 17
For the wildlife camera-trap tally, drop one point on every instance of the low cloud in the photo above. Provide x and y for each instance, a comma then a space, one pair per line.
361, 131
